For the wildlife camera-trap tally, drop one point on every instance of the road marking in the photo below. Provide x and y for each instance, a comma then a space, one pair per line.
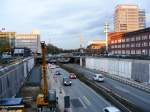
86, 100
82, 102
122, 89
99, 96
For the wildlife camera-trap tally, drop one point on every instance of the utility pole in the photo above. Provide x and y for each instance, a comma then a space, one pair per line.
106, 28
81, 50
81, 41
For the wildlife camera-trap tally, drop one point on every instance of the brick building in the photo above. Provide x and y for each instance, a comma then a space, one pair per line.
131, 43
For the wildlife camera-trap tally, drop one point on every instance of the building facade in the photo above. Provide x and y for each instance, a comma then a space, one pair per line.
128, 18
131, 43
31, 41
96, 44
7, 41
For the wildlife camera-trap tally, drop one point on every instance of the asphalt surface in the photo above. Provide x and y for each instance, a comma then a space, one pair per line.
82, 97
134, 95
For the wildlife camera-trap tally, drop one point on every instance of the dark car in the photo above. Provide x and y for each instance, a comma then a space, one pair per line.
57, 73
67, 81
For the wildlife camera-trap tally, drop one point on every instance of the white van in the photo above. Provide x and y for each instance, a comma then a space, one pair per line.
98, 77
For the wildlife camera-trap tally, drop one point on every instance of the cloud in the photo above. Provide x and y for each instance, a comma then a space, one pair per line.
63, 21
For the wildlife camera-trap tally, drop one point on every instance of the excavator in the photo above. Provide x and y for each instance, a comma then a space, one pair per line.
47, 99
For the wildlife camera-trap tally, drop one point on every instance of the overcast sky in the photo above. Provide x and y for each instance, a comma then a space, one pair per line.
62, 22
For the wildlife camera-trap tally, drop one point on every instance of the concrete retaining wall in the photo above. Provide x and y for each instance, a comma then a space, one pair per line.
14, 77
138, 70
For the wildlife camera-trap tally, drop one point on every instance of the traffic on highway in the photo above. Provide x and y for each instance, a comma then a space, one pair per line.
82, 97
136, 96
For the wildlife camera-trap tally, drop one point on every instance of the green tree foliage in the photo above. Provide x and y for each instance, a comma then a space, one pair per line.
53, 49
4, 44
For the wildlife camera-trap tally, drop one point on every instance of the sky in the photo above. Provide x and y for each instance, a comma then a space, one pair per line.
63, 22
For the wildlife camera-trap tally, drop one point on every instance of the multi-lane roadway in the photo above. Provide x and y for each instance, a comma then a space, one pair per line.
134, 95
82, 98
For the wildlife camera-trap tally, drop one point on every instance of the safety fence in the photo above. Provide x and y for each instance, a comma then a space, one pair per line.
14, 76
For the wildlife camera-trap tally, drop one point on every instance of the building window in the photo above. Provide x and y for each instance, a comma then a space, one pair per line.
112, 41
127, 51
115, 41
127, 39
123, 45
119, 41
123, 40
144, 51
145, 44
138, 38
119, 51
144, 37
138, 51
119, 46
132, 51
115, 46
132, 39
112, 46
127, 45
123, 51
138, 45
132, 45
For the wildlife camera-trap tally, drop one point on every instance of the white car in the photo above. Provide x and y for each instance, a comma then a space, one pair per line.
51, 66
98, 77
111, 109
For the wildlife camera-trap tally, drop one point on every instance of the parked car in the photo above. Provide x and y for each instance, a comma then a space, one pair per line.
111, 109
98, 77
67, 81
72, 76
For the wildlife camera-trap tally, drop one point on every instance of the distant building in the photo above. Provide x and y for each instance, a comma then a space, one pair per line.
130, 43
128, 18
31, 41
96, 44
96, 47
22, 51
7, 41
142, 19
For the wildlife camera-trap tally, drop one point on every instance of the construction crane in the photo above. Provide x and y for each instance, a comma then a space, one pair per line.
48, 97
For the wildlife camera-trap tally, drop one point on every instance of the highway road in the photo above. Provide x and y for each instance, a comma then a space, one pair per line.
136, 96
83, 98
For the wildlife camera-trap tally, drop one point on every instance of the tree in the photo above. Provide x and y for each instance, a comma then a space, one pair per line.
53, 49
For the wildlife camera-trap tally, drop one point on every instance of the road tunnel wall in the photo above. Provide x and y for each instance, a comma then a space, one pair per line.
138, 70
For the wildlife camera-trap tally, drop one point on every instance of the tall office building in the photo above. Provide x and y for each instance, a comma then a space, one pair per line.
142, 19
31, 41
128, 18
